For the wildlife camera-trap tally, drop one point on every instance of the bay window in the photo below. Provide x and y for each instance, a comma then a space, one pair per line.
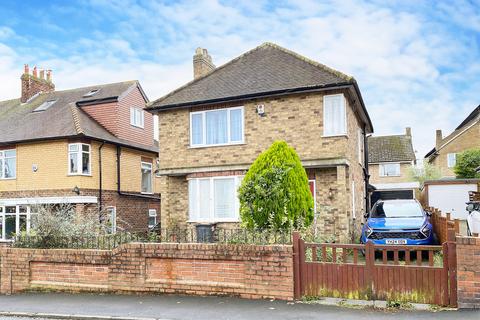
216, 127
390, 169
79, 159
214, 199
8, 164
334, 115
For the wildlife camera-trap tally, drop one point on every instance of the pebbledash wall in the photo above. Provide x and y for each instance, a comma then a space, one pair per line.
247, 271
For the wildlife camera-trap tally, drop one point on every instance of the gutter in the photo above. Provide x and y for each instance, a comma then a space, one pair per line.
366, 174
119, 189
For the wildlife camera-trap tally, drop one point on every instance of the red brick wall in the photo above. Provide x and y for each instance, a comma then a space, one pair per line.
246, 271
468, 272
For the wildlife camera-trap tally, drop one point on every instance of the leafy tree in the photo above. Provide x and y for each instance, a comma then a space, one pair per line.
424, 173
275, 193
467, 163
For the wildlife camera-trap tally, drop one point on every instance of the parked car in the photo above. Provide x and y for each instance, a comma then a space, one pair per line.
398, 222
473, 218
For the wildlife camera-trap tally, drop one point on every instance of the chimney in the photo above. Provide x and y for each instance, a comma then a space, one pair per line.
408, 132
32, 84
438, 139
202, 63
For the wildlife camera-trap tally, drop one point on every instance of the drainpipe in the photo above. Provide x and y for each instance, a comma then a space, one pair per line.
119, 151
366, 174
100, 189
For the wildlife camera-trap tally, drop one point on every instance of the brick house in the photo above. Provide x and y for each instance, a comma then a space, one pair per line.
92, 147
389, 160
464, 137
214, 127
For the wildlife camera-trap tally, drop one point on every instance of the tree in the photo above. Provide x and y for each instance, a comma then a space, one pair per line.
467, 163
275, 193
424, 173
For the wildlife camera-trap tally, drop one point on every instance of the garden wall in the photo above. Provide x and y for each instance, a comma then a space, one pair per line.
468, 272
247, 271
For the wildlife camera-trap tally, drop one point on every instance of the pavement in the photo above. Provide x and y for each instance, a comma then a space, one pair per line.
172, 307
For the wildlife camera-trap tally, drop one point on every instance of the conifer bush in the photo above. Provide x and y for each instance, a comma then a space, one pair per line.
275, 193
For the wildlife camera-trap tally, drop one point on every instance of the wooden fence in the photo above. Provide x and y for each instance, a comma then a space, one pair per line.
444, 227
424, 274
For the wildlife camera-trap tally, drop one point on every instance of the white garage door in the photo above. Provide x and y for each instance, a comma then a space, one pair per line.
450, 198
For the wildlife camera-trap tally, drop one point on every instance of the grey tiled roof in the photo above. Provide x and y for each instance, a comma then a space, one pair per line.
19, 123
267, 68
390, 149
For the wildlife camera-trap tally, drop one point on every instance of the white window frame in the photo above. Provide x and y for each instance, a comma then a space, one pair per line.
449, 160
361, 147
137, 117
151, 176
204, 128
152, 213
17, 215
3, 160
382, 171
80, 153
112, 217
344, 104
211, 218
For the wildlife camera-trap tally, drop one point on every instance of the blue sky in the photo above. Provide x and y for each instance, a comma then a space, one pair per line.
417, 63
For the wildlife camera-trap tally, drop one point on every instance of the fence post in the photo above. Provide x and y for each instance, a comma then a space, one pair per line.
452, 272
369, 268
296, 265
446, 291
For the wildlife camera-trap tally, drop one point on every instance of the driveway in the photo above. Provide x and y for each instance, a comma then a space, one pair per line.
200, 308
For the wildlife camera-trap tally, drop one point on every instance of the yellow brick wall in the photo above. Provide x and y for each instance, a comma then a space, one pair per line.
51, 157
374, 170
469, 139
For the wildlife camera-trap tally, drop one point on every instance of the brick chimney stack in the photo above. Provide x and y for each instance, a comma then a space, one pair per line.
438, 139
32, 84
408, 132
202, 63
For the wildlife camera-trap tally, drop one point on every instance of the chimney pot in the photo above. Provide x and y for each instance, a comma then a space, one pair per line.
438, 139
49, 75
32, 85
42, 74
35, 72
408, 132
26, 69
202, 63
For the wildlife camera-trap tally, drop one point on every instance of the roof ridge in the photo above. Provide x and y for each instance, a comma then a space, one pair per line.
76, 118
389, 135
263, 45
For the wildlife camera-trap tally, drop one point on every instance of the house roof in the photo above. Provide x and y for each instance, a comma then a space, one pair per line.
20, 123
470, 119
265, 70
395, 148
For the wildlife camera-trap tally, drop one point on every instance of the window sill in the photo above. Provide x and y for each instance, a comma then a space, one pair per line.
1, 179
395, 176
217, 145
139, 127
214, 221
79, 175
335, 136
147, 193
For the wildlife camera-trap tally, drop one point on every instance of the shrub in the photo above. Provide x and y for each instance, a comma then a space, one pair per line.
275, 193
467, 163
424, 173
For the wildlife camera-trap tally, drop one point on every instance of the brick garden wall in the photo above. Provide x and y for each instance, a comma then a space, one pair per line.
201, 269
468, 272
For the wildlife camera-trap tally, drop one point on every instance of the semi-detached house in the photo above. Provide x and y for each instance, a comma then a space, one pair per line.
91, 147
214, 127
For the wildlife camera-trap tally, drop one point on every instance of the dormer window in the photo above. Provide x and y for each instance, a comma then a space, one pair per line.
44, 106
90, 93
136, 117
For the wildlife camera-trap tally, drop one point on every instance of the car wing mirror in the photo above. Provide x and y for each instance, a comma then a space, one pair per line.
365, 215
470, 207
428, 213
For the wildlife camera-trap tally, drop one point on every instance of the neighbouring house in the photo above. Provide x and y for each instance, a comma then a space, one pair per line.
214, 127
91, 147
464, 137
389, 161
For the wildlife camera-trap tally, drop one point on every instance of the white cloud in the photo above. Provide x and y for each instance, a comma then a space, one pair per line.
407, 60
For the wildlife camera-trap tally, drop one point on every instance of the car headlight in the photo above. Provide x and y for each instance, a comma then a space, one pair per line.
425, 231
368, 232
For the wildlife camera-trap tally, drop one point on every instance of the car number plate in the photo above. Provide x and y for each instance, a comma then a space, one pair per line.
396, 241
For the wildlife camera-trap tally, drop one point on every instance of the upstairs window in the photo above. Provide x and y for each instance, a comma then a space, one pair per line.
334, 115
44, 106
216, 127
8, 164
136, 117
146, 177
451, 160
79, 159
90, 93
389, 169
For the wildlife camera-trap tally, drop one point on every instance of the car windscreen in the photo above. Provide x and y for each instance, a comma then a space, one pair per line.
396, 210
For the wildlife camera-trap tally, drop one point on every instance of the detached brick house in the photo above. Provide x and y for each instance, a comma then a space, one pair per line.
464, 137
213, 128
389, 160
92, 147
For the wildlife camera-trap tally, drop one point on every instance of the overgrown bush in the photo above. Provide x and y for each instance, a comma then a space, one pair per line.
275, 193
424, 173
467, 163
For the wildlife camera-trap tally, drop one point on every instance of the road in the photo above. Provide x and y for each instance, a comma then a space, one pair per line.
201, 308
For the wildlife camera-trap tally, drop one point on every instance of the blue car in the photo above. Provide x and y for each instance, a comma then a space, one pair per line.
402, 222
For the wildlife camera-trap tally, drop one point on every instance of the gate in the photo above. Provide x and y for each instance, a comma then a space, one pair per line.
422, 274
